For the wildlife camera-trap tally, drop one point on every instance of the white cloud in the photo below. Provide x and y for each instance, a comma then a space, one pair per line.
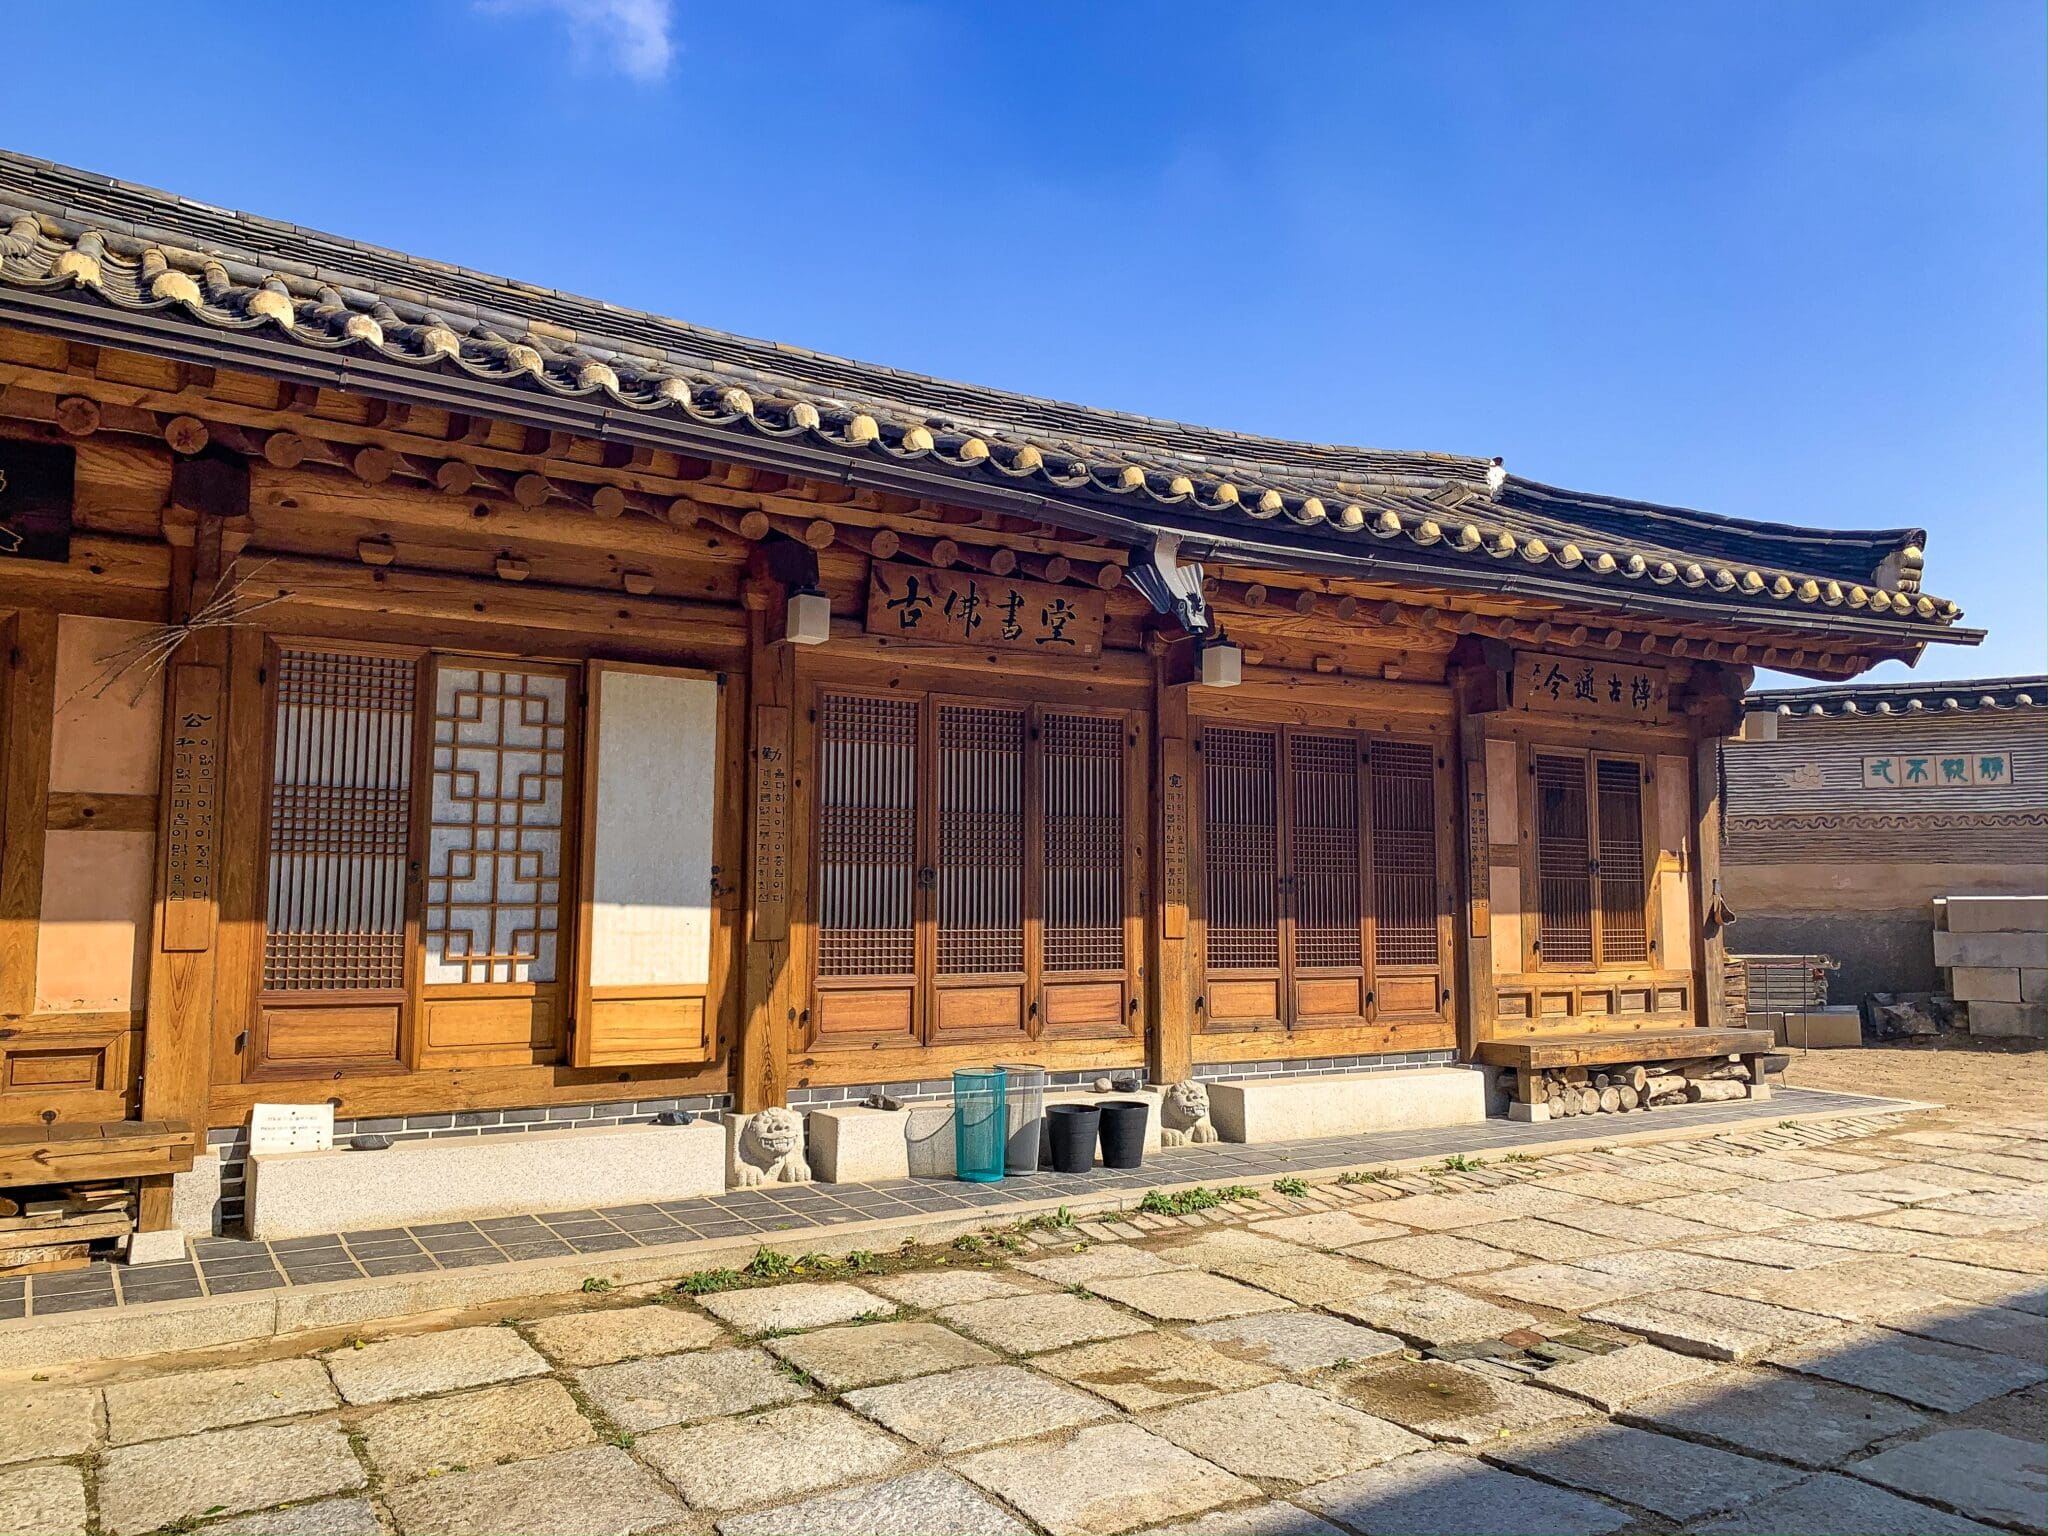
631, 35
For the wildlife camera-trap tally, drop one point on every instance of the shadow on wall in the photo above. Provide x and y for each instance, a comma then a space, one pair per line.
1876, 951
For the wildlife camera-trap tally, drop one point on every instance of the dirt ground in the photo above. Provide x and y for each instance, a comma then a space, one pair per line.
1971, 1077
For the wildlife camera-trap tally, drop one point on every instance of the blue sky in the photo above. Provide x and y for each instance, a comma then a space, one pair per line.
1777, 260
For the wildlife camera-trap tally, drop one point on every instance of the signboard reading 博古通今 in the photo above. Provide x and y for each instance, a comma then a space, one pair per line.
913, 602
1609, 689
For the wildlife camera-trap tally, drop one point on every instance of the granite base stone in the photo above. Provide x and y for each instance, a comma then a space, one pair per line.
1267, 1109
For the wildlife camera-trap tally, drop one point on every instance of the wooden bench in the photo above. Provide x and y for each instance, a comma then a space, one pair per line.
1530, 1055
113, 1149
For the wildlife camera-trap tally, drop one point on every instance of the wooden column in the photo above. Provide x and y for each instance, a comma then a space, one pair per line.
1715, 712
1170, 959
772, 985
31, 683
1478, 677
207, 495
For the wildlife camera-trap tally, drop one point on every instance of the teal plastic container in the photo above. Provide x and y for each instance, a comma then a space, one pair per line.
980, 1125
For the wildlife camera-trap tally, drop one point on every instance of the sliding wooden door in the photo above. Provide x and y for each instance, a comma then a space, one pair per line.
1593, 855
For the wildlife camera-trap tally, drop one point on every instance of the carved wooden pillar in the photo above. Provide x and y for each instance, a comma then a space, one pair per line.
1169, 1040
771, 984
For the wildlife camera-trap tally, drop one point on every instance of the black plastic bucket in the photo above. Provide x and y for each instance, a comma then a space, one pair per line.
1071, 1129
1123, 1132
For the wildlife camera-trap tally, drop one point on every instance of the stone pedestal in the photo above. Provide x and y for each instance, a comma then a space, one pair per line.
858, 1146
1258, 1109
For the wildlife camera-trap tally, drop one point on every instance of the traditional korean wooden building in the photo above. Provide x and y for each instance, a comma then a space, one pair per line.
479, 707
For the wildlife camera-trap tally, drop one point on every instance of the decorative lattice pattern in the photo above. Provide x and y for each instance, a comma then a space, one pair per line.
340, 812
493, 905
1082, 759
867, 835
1624, 926
1404, 872
1327, 890
1563, 879
980, 862
1241, 874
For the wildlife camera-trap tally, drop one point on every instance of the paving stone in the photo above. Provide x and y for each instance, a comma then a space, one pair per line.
1542, 1239
39, 1421
1968, 1282
1708, 1324
2016, 1207
1328, 1229
431, 1362
1924, 1372
224, 1471
1695, 1177
1567, 1287
1030, 1325
1840, 1506
1275, 1519
1875, 1236
732, 1464
1998, 1329
1758, 1167
1109, 1478
329, 1517
1433, 1256
1775, 1252
1823, 1199
2025, 1256
1433, 1493
1311, 1279
474, 1429
599, 1488
1908, 1183
1842, 1290
772, 1308
1153, 1370
189, 1402
1793, 1418
872, 1353
42, 1501
973, 1409
1450, 1402
1295, 1341
623, 1333
1735, 1213
1972, 1471
681, 1389
1674, 1478
1433, 1315
1284, 1431
916, 1504
1675, 1268
1206, 1248
1641, 1227
931, 1289
1928, 1221
1444, 1213
1187, 1296
1096, 1264
1615, 1188
1614, 1380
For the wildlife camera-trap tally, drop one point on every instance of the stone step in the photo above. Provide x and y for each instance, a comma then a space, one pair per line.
1261, 1109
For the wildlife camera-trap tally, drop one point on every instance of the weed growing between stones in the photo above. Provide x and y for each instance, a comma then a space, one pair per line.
1290, 1186
1362, 1176
1181, 1202
1458, 1162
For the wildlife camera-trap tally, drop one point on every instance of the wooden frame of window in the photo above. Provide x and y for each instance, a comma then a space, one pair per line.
890, 801
1572, 800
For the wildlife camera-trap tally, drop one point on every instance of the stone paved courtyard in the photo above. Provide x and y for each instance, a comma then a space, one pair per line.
1822, 1327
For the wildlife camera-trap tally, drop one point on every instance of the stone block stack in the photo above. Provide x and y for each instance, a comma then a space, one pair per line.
1995, 950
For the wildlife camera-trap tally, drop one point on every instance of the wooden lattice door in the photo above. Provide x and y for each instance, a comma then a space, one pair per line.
975, 877
1592, 862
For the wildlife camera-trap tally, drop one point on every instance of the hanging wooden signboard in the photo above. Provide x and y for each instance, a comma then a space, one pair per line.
1609, 689
192, 808
914, 602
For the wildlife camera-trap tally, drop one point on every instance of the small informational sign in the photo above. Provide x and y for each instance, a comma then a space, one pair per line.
192, 808
914, 602
1610, 689
771, 821
291, 1128
1961, 768
35, 500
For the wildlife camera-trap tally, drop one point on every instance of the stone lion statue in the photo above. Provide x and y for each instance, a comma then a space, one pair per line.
772, 1149
1184, 1115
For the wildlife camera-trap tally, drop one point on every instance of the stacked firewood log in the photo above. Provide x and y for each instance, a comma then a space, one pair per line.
1649, 1085
53, 1226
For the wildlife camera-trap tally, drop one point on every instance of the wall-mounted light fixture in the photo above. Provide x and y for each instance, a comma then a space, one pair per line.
809, 619
1222, 662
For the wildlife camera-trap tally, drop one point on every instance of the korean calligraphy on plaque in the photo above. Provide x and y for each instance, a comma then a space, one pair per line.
192, 808
1611, 688
914, 602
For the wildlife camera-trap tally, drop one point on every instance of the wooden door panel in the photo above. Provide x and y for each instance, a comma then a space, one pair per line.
1329, 999
847, 1015
490, 1031
1408, 995
1084, 1007
1242, 1002
967, 1008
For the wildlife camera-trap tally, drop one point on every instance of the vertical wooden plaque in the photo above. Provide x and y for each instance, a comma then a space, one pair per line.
1478, 862
1173, 852
771, 822
192, 808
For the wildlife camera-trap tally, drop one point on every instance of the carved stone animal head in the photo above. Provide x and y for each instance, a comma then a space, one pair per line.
774, 1133
1186, 1103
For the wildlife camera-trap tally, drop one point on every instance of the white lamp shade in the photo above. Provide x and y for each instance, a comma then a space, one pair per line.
1222, 665
810, 619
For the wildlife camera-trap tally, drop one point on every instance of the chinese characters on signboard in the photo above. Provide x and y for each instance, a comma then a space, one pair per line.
973, 608
192, 808
1612, 688
1961, 768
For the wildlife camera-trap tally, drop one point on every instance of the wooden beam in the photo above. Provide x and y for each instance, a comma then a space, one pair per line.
31, 681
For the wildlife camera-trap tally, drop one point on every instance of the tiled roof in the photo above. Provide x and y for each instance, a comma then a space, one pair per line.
71, 241
1993, 693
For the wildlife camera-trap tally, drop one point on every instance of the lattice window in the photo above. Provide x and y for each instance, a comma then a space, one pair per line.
1563, 848
340, 809
867, 835
1624, 928
1327, 891
1404, 853
980, 855
1241, 880
495, 825
1082, 760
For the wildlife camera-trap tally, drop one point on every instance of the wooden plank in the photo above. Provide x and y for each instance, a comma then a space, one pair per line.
772, 981
26, 715
1639, 1045
1170, 1040
123, 1150
83, 811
